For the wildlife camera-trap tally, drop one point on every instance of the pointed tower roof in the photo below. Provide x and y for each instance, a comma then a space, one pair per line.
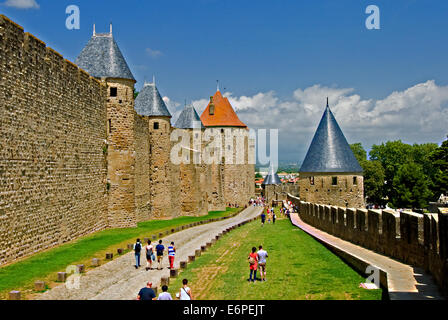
150, 103
101, 57
223, 115
329, 150
272, 177
189, 119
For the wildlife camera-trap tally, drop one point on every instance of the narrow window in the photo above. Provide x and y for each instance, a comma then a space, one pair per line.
312, 181
334, 181
113, 91
355, 181
110, 125
156, 125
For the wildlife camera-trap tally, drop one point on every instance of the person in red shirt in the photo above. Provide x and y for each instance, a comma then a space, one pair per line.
253, 264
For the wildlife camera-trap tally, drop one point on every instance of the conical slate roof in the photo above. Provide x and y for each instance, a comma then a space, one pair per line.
224, 115
329, 150
272, 178
150, 103
101, 57
189, 119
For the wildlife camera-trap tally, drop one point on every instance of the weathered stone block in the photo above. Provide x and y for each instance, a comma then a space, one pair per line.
14, 295
95, 262
39, 285
62, 277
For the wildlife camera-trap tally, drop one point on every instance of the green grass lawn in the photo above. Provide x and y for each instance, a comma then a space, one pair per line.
45, 265
298, 267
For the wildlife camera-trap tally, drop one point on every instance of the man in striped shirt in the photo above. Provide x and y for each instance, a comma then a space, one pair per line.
171, 254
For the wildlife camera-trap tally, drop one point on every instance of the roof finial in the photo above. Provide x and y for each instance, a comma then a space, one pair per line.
154, 80
217, 85
327, 103
94, 32
110, 28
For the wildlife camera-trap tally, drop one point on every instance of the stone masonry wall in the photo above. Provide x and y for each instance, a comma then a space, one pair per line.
417, 239
121, 154
142, 188
52, 140
345, 193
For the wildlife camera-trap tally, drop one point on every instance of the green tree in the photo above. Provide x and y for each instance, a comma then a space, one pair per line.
374, 181
392, 155
258, 175
411, 187
373, 175
439, 161
359, 152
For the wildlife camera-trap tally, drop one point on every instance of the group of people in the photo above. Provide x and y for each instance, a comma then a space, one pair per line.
258, 202
269, 213
159, 250
147, 293
257, 261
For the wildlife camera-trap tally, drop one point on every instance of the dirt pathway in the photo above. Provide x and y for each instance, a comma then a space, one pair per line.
119, 280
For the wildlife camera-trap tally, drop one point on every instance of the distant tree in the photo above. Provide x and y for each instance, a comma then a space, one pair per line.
374, 181
258, 175
359, 152
411, 187
392, 155
373, 175
135, 94
439, 160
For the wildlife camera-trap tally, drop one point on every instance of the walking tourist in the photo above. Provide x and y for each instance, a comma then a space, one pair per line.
137, 250
171, 254
159, 250
273, 217
263, 218
164, 295
185, 291
149, 255
253, 259
262, 255
147, 293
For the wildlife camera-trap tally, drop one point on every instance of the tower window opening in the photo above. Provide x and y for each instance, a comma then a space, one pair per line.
334, 181
355, 181
156, 125
110, 125
312, 181
113, 91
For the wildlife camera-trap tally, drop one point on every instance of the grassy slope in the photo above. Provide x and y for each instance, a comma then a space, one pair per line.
45, 265
298, 268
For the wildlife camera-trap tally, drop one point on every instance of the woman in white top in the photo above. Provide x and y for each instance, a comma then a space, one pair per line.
149, 255
185, 291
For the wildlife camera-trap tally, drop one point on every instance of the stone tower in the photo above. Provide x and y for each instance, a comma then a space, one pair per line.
237, 175
269, 185
150, 104
102, 58
330, 173
193, 174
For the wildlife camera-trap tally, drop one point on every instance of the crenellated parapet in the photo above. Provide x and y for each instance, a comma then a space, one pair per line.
420, 240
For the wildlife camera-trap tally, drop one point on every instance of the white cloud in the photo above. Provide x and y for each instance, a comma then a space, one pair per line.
22, 4
416, 115
153, 53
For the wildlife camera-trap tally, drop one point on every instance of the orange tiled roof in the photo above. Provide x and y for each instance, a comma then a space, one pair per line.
224, 115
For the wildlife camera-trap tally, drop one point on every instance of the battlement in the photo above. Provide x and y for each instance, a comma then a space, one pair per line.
420, 240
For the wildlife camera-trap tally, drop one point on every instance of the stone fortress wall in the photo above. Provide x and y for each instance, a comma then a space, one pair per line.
420, 240
75, 159
53, 167
341, 189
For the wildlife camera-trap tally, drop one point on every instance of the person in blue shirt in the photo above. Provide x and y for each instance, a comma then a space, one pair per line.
159, 250
263, 218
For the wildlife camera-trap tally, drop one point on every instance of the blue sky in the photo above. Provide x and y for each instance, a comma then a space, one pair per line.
285, 55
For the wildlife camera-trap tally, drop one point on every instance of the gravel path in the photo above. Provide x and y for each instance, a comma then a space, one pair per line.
119, 280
